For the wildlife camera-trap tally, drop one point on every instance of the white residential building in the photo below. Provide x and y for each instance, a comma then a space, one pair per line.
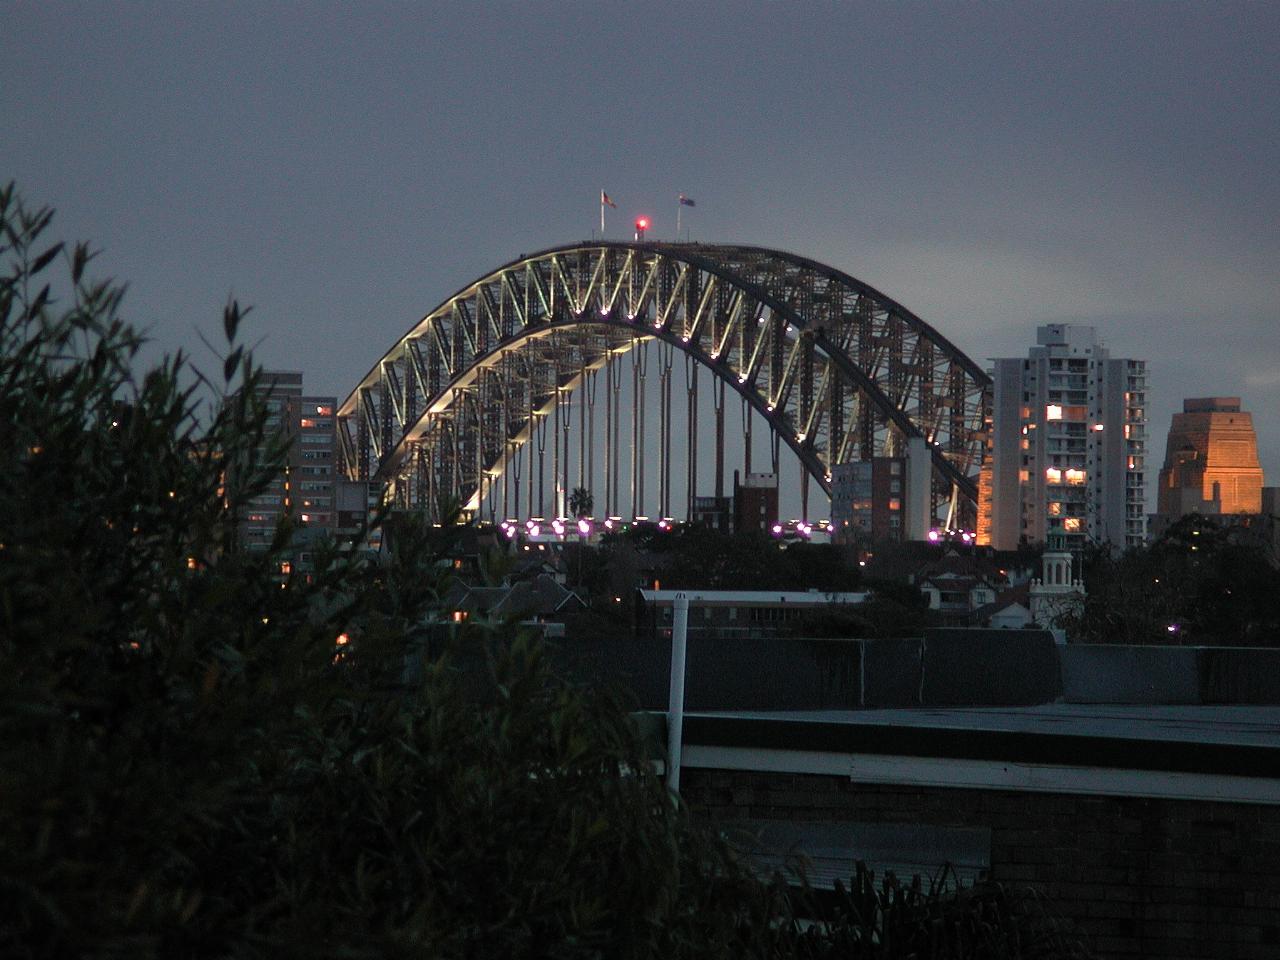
1068, 444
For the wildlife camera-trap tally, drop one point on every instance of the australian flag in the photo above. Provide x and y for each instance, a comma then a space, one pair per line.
686, 201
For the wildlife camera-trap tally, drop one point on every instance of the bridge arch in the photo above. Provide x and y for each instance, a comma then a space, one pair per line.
835, 369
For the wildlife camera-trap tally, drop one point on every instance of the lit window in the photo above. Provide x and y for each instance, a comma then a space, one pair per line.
1099, 427
895, 504
1075, 476
1053, 474
1071, 525
1053, 412
1024, 476
1055, 509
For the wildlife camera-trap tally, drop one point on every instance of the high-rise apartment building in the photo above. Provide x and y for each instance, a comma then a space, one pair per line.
305, 489
1068, 445
1210, 462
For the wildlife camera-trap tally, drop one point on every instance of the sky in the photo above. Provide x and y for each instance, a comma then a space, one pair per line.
344, 168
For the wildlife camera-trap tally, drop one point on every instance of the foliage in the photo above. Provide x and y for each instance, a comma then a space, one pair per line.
581, 502
698, 557
893, 610
907, 920
192, 763
1200, 583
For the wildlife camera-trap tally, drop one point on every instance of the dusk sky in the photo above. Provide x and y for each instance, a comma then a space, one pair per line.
344, 168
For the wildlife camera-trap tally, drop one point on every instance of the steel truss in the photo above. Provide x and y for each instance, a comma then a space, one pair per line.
837, 370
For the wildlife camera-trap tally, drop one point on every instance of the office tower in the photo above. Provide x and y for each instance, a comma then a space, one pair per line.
1210, 462
1068, 444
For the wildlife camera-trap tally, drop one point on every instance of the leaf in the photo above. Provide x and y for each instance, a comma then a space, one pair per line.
42, 261
229, 365
231, 320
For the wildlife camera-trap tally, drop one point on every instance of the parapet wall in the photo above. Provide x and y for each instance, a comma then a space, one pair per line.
948, 667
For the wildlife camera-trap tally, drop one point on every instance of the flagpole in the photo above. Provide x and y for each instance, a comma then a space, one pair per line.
679, 210
602, 214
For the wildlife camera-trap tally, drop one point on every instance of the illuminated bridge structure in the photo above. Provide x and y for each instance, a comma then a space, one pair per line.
550, 358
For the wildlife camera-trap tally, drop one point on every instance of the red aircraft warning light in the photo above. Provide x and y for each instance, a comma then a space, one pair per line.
642, 224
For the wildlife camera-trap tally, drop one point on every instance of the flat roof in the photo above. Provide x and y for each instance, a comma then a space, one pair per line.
1223, 740
711, 598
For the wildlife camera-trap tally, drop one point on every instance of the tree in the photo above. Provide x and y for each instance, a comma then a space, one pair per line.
581, 503
1200, 583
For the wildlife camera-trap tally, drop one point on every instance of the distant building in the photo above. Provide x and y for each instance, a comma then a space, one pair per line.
884, 498
755, 501
1210, 463
738, 614
957, 585
1056, 598
713, 512
259, 519
1068, 445
307, 490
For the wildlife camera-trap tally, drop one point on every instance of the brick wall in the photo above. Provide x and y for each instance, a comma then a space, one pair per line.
1142, 877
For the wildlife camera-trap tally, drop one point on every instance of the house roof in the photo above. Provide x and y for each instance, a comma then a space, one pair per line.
953, 565
1019, 595
542, 596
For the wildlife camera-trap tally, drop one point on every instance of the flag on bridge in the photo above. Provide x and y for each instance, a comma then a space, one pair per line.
604, 199
686, 201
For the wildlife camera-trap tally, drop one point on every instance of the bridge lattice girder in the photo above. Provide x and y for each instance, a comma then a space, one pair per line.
838, 370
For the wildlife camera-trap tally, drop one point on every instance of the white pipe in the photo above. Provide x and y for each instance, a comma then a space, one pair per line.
675, 701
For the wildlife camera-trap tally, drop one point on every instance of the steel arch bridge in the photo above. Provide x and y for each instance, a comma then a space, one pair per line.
838, 372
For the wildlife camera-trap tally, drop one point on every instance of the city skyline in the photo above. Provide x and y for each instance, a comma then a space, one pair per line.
345, 172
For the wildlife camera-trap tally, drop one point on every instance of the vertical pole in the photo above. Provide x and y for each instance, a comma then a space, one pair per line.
693, 435
746, 437
718, 394
589, 443
675, 700
609, 374
690, 471
555, 454
567, 425
635, 425
639, 447
583, 401
616, 444
664, 442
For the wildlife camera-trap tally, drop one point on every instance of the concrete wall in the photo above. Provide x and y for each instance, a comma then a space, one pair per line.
1097, 673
